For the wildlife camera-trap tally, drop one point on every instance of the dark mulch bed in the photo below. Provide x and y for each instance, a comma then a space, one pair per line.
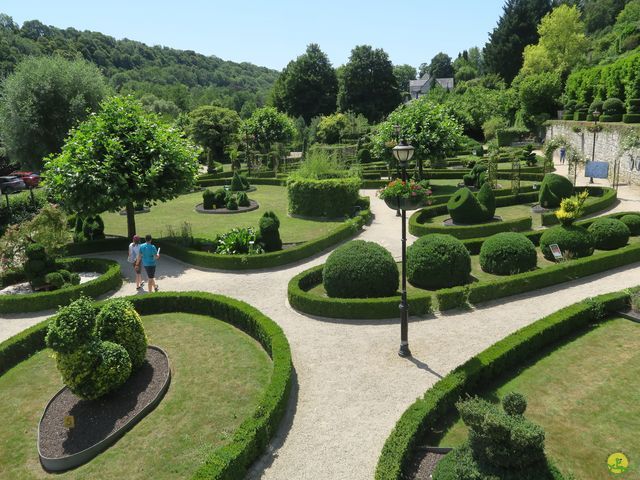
450, 223
253, 205
96, 420
424, 464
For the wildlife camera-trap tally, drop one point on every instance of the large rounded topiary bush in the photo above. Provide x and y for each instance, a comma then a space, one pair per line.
553, 189
438, 261
609, 233
632, 221
118, 322
574, 241
507, 253
360, 269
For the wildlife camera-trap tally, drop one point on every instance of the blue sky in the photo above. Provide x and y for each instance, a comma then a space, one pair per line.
270, 33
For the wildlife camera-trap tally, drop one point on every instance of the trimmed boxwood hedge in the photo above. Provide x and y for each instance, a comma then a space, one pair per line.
632, 221
502, 357
329, 198
110, 279
573, 240
438, 261
251, 438
604, 198
508, 253
609, 233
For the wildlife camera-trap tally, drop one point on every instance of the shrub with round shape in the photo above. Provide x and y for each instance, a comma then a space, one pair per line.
360, 269
632, 221
54, 279
118, 322
464, 208
72, 327
609, 233
514, 403
508, 253
438, 261
613, 106
232, 202
574, 241
553, 189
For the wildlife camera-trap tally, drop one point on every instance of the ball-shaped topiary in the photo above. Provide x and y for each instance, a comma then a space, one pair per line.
609, 233
596, 105
464, 208
72, 327
55, 280
514, 403
118, 322
574, 241
632, 221
613, 106
95, 369
360, 269
553, 189
507, 253
438, 261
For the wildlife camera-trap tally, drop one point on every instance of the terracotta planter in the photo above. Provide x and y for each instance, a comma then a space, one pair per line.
401, 203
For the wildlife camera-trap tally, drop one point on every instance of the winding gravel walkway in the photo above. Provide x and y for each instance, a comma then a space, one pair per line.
351, 386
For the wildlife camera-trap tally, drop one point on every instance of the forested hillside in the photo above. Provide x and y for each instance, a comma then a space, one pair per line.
168, 80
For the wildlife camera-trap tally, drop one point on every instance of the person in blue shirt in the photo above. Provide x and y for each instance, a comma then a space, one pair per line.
148, 255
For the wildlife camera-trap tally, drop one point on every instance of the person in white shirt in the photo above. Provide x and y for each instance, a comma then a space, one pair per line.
134, 253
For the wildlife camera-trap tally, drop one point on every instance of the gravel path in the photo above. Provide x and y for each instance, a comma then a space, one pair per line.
351, 386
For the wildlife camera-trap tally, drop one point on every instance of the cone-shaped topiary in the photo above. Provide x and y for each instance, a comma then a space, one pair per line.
609, 233
438, 261
243, 199
118, 322
508, 253
574, 241
487, 201
269, 232
554, 188
360, 269
632, 221
464, 208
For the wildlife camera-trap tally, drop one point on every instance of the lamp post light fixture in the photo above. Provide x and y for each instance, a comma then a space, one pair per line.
595, 114
403, 153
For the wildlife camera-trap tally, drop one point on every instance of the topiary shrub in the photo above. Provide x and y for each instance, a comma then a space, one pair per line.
609, 233
464, 208
360, 269
243, 199
553, 189
632, 221
232, 202
438, 261
487, 201
78, 236
72, 327
118, 322
574, 241
208, 199
514, 403
364, 155
93, 228
508, 253
269, 232
596, 105
54, 279
613, 106
37, 265
237, 183
327, 198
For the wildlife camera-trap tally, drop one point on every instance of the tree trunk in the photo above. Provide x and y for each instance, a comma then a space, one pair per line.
131, 220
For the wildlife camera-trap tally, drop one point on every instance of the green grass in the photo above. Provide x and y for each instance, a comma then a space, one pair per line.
218, 376
182, 209
586, 395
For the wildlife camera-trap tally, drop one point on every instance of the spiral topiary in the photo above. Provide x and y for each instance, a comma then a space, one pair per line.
360, 269
438, 261
118, 322
632, 221
574, 241
553, 189
508, 253
609, 233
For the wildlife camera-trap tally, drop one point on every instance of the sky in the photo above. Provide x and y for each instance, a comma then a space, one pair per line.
271, 33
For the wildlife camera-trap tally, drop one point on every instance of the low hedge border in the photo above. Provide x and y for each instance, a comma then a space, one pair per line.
219, 182
501, 357
232, 460
605, 198
353, 308
111, 279
240, 262
422, 302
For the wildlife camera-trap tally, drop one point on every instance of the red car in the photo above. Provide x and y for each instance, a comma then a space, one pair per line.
30, 179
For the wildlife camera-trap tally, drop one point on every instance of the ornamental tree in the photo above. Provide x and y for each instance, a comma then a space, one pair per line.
120, 157
213, 128
268, 126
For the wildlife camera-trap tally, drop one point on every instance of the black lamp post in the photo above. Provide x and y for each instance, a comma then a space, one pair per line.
396, 128
595, 114
403, 153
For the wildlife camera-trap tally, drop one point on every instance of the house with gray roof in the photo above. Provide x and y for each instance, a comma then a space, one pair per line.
425, 83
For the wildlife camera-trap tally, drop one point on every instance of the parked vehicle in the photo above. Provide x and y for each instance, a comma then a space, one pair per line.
11, 184
30, 179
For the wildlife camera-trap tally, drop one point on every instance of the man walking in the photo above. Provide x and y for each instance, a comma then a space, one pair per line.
563, 154
148, 255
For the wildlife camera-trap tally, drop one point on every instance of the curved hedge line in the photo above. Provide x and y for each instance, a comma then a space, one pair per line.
238, 262
232, 460
500, 358
607, 197
111, 279
356, 308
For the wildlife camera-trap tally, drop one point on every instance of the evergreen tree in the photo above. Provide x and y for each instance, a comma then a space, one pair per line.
517, 28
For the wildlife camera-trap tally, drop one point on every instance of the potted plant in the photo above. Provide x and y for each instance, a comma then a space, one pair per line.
404, 195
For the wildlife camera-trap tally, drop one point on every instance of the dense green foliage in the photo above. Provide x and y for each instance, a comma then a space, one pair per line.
438, 261
367, 84
269, 226
41, 101
508, 253
214, 129
167, 80
118, 322
553, 189
308, 86
632, 221
404, 74
439, 67
609, 233
360, 269
267, 126
467, 209
574, 241
330, 198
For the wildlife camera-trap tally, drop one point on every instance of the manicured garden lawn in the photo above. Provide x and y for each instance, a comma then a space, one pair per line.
586, 395
182, 209
218, 376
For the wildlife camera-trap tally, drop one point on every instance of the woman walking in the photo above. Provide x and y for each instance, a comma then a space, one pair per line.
134, 253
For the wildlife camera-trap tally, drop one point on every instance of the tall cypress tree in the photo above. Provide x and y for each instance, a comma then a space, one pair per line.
516, 29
